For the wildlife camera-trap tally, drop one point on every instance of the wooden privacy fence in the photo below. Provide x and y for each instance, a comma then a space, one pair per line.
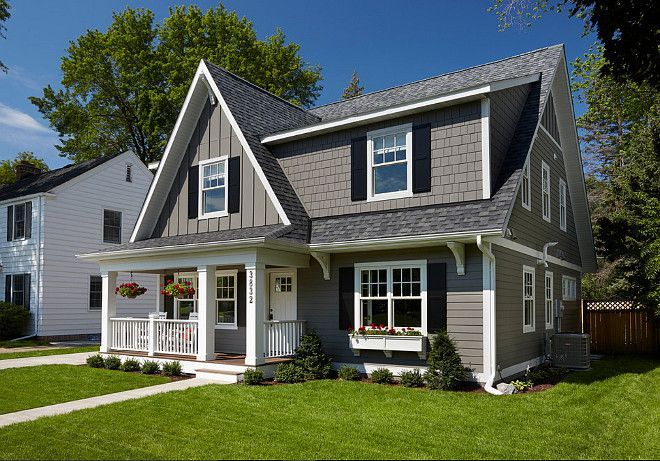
620, 327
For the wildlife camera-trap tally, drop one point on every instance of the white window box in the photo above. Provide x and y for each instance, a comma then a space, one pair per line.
388, 344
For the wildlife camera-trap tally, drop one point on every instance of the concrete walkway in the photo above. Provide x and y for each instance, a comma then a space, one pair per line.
92, 402
61, 359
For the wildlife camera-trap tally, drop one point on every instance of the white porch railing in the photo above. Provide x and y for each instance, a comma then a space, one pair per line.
130, 334
176, 337
283, 337
154, 336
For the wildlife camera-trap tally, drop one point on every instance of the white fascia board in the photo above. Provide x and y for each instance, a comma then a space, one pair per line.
536, 254
25, 198
398, 111
485, 148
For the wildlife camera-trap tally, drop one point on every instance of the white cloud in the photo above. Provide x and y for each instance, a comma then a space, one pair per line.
15, 119
20, 77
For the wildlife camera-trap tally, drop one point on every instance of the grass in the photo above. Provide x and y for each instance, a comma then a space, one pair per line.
609, 412
43, 352
24, 343
32, 387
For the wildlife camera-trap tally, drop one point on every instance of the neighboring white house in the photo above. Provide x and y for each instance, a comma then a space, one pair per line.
48, 219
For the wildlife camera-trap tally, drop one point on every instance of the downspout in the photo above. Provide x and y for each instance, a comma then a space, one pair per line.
39, 242
484, 247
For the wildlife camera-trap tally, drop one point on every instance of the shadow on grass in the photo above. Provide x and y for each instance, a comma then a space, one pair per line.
612, 366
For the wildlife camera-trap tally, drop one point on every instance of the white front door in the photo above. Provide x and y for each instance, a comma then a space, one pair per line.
283, 305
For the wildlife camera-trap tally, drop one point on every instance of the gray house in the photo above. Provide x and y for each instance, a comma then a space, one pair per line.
456, 202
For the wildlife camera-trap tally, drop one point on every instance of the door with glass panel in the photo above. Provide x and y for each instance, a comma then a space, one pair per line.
283, 304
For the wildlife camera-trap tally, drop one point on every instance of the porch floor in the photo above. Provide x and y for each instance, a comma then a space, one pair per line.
222, 358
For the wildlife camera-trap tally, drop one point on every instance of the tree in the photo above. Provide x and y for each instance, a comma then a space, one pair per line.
627, 29
8, 167
354, 88
4, 15
122, 88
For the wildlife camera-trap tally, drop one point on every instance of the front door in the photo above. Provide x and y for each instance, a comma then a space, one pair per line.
282, 297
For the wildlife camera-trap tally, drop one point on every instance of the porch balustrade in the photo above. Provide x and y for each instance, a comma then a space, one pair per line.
283, 337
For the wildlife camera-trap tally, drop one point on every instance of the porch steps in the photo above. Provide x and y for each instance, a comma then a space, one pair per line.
231, 377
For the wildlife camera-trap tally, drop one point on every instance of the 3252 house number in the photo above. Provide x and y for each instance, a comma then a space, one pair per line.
250, 287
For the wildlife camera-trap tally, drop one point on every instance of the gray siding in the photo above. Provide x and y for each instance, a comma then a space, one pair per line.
318, 304
319, 168
214, 137
549, 119
529, 227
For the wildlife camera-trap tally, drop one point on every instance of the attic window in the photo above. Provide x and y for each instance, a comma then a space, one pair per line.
129, 172
213, 188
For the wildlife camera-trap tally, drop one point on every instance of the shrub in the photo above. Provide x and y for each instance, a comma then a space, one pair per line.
521, 386
14, 320
150, 367
445, 370
289, 373
412, 378
545, 374
112, 362
96, 361
382, 376
172, 368
253, 376
130, 365
311, 359
347, 373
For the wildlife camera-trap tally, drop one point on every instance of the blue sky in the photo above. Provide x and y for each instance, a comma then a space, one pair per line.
388, 42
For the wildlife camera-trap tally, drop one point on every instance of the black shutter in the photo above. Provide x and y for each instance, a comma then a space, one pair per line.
26, 290
437, 297
234, 186
28, 220
421, 158
359, 169
10, 223
193, 191
240, 304
8, 288
346, 298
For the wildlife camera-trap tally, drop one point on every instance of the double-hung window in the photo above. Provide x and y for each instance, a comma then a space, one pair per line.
17, 289
562, 204
549, 311
95, 291
225, 299
391, 295
568, 288
213, 188
19, 221
545, 190
529, 308
525, 188
111, 226
185, 305
389, 163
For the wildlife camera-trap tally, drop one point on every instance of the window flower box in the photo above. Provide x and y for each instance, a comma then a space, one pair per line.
388, 343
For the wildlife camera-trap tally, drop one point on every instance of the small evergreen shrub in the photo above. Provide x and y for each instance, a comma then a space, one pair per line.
289, 373
445, 370
311, 359
112, 362
14, 320
172, 368
411, 378
130, 365
522, 386
252, 377
347, 373
382, 376
96, 361
150, 367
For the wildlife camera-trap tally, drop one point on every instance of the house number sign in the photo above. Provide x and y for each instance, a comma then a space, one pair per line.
251, 286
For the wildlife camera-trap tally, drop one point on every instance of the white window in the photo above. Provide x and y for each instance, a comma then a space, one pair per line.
185, 305
568, 288
549, 312
213, 188
17, 289
390, 163
19, 221
525, 188
283, 284
545, 190
95, 292
111, 226
225, 300
562, 204
529, 308
391, 294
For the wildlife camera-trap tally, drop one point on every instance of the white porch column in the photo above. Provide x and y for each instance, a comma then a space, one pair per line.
206, 313
108, 307
255, 293
160, 298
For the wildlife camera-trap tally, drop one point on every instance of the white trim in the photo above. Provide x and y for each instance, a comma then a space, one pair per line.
232, 325
549, 324
26, 198
552, 139
546, 168
529, 270
536, 254
571, 297
527, 171
485, 147
371, 195
458, 249
398, 111
563, 190
523, 366
200, 189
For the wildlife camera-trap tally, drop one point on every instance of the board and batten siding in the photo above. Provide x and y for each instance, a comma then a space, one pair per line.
319, 168
214, 137
73, 224
318, 304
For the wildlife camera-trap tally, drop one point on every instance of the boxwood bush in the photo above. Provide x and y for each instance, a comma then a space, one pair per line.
411, 378
348, 373
112, 362
172, 368
382, 376
289, 373
149, 367
130, 365
311, 359
96, 361
14, 320
445, 370
253, 376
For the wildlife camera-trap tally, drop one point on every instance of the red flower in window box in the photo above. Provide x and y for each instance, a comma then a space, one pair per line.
130, 290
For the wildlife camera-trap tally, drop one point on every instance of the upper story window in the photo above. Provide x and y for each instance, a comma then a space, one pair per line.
19, 221
545, 190
111, 226
568, 288
213, 188
562, 204
129, 172
525, 188
529, 307
389, 163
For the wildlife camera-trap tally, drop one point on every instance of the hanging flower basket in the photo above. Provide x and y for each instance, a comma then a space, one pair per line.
130, 290
178, 290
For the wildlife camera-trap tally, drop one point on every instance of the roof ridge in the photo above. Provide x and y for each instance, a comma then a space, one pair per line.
439, 75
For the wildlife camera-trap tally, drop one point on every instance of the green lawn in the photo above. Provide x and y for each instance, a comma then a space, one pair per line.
610, 412
31, 387
42, 352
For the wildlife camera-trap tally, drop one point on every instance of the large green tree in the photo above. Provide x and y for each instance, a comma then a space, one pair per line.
4, 15
8, 167
122, 88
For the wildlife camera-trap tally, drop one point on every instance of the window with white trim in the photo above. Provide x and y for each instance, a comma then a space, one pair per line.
185, 304
525, 188
225, 299
95, 292
213, 188
562, 204
529, 308
545, 190
390, 163
568, 288
391, 294
549, 311
111, 226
